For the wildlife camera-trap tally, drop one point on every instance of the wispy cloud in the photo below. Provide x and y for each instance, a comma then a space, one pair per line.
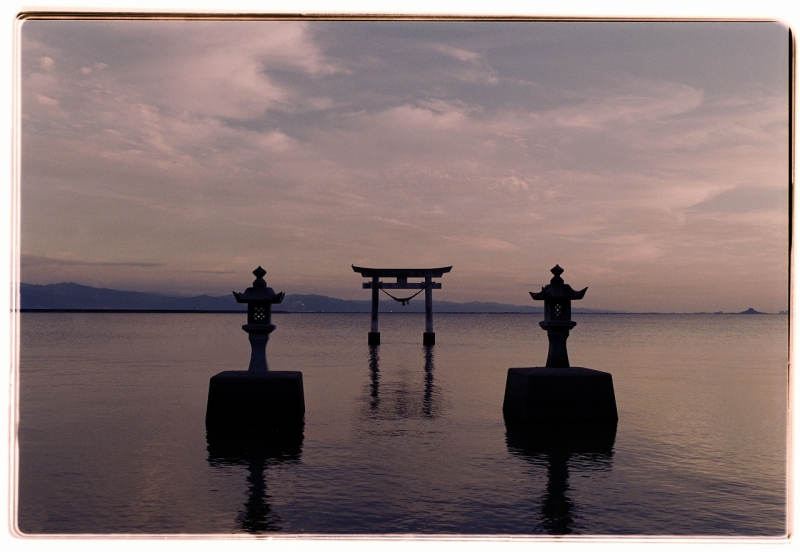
743, 199
27, 261
483, 243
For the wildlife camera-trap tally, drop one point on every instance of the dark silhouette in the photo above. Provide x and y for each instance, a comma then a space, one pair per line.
259, 300
558, 392
402, 275
558, 297
751, 310
256, 397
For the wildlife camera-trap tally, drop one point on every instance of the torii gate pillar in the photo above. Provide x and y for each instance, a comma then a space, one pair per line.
374, 337
402, 275
428, 338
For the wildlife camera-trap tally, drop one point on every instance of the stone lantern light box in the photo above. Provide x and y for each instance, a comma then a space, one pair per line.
257, 397
558, 392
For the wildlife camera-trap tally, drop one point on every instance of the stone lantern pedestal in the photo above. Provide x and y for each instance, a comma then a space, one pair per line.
244, 399
256, 397
558, 392
543, 394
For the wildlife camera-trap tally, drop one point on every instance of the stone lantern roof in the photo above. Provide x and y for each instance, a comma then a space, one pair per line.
557, 289
259, 291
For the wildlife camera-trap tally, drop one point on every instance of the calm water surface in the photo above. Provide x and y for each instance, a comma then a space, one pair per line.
401, 438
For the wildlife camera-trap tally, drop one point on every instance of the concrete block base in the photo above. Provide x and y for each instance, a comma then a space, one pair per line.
530, 438
244, 399
559, 394
429, 338
227, 445
374, 338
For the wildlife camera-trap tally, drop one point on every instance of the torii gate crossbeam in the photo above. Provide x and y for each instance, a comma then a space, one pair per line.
402, 275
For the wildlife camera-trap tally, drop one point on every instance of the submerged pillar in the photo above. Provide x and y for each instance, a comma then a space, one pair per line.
374, 336
558, 392
428, 338
256, 397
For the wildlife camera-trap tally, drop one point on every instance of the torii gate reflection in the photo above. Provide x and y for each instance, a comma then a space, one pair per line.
402, 403
402, 275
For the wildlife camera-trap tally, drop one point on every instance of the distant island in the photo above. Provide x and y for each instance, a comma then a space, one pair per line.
77, 297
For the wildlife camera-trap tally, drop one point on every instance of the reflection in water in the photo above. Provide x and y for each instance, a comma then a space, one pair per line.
427, 398
256, 450
556, 505
395, 399
374, 376
586, 446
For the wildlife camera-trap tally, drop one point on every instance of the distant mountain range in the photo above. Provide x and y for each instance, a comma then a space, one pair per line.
71, 296
77, 297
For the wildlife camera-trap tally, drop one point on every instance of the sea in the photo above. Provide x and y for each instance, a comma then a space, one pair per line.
401, 439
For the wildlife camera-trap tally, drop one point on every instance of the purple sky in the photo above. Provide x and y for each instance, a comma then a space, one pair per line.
649, 160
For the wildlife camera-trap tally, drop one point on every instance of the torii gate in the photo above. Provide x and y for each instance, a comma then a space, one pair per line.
402, 275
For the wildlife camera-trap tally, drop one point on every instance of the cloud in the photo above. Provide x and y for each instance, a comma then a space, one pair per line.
46, 63
514, 183
483, 243
428, 116
394, 222
186, 74
633, 102
98, 66
42, 99
230, 76
474, 70
27, 261
743, 199
40, 84
459, 53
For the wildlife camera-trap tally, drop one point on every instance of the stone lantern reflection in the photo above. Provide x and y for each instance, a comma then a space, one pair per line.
259, 300
558, 297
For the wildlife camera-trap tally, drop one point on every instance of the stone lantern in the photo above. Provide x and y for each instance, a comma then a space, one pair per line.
558, 297
557, 392
256, 398
259, 299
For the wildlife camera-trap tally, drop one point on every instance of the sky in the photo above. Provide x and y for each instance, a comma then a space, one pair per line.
650, 160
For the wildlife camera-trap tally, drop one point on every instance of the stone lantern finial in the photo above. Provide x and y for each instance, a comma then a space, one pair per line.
259, 273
